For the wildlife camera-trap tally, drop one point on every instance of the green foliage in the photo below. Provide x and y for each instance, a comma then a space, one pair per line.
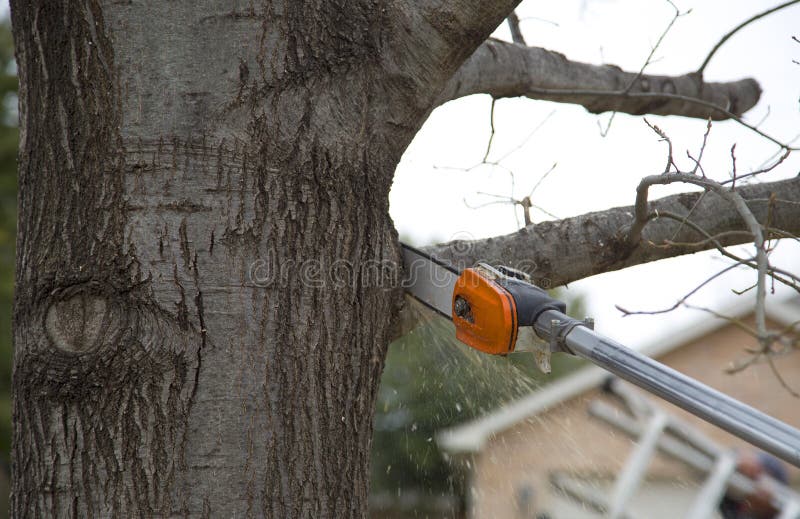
432, 381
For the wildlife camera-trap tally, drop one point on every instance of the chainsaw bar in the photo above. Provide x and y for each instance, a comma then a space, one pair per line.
488, 305
494, 310
429, 280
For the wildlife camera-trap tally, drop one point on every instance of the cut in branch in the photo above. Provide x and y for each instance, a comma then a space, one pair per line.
563, 251
503, 69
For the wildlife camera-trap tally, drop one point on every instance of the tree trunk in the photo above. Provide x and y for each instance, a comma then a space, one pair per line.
207, 273
206, 265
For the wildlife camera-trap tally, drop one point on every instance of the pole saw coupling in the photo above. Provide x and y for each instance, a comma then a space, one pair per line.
495, 310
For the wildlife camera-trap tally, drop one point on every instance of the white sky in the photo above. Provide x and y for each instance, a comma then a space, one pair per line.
593, 172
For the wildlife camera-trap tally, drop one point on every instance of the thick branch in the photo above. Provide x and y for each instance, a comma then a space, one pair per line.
560, 252
504, 69
434, 37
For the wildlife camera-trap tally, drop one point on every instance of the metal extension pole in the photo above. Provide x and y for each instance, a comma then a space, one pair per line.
572, 336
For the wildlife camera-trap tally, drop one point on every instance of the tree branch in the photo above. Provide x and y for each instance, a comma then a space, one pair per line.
739, 27
434, 37
516, 31
559, 252
736, 200
504, 69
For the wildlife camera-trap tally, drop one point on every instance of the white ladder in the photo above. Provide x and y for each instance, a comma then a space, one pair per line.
657, 430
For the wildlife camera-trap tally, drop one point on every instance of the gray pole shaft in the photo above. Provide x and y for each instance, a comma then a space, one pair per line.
709, 404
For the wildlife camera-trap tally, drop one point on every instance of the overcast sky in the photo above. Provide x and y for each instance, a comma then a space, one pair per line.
596, 172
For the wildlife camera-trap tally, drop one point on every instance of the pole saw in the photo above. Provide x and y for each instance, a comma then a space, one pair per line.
497, 310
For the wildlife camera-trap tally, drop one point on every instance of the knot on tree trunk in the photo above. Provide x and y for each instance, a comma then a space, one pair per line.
105, 372
75, 324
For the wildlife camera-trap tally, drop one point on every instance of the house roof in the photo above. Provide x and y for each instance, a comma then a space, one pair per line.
471, 436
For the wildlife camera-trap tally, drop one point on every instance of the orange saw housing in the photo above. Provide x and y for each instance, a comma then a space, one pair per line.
488, 321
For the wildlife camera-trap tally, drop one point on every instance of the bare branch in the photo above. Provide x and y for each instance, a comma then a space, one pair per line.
491, 135
780, 377
670, 163
683, 299
787, 278
765, 169
635, 80
563, 251
697, 162
499, 161
655, 47
737, 29
503, 69
526, 203
513, 26
738, 203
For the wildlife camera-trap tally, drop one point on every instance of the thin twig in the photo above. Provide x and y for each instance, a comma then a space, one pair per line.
764, 119
690, 213
665, 138
544, 20
655, 47
680, 301
513, 26
641, 217
780, 378
498, 162
778, 152
491, 135
736, 322
778, 274
557, 92
666, 244
767, 169
735, 199
696, 164
737, 29
525, 203
480, 206
647, 62
545, 211
702, 149
527, 137
539, 182
604, 131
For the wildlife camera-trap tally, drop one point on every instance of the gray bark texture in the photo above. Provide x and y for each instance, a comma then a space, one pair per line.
559, 252
191, 174
206, 268
504, 69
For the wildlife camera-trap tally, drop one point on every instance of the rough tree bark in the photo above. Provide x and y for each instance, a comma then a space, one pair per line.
559, 252
168, 150
510, 70
206, 269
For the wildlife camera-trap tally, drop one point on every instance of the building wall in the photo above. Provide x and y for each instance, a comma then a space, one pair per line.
511, 475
